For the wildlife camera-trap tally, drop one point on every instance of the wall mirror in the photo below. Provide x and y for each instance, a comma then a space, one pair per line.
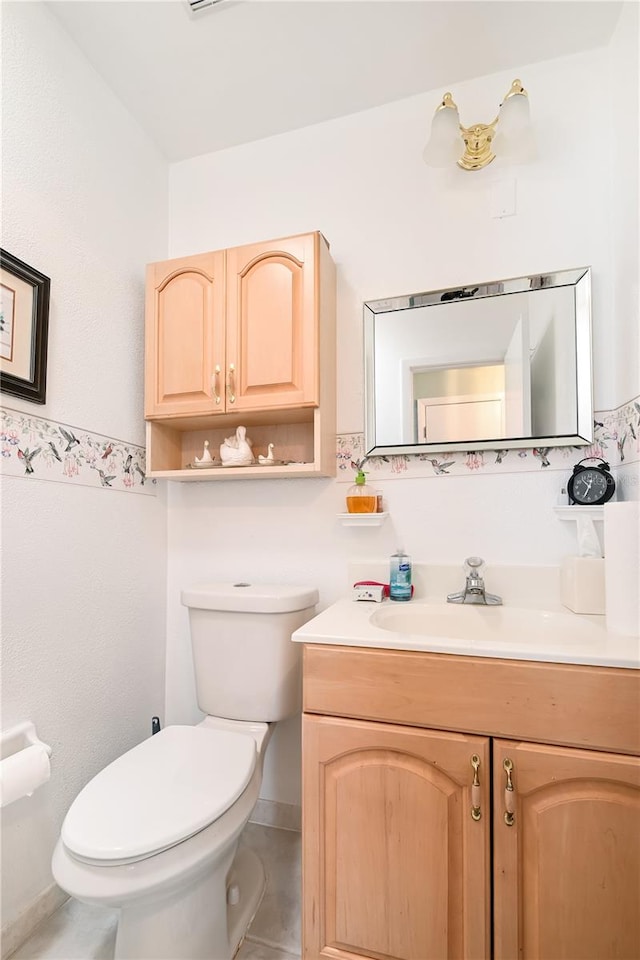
497, 365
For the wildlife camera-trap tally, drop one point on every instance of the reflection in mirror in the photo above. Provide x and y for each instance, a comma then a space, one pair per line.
497, 365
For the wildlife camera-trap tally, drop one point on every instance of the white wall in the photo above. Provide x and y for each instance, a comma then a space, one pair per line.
624, 113
396, 226
84, 202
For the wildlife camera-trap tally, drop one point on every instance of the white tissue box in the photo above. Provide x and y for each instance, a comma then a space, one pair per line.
582, 584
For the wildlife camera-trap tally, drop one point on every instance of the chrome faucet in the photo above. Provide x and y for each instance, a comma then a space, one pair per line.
474, 591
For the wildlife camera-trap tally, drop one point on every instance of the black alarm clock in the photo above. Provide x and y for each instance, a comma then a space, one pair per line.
592, 485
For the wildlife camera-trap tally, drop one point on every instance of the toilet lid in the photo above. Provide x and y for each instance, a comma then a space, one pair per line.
163, 791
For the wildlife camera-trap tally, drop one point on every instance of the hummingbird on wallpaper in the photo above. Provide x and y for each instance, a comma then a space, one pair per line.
104, 480
127, 464
500, 455
27, 456
440, 468
55, 452
142, 474
620, 443
108, 451
541, 454
69, 437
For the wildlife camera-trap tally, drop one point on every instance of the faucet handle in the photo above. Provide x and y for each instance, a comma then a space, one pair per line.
475, 563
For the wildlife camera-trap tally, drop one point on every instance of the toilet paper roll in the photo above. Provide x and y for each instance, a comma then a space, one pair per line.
622, 566
22, 772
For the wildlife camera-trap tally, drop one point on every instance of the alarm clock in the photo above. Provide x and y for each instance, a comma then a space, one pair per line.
591, 485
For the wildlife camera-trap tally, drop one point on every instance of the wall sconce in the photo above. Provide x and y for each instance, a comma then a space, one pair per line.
513, 139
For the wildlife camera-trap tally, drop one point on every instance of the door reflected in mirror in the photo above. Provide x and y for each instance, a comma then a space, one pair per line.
498, 365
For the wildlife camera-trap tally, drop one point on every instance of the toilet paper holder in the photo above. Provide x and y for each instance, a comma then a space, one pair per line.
18, 738
24, 763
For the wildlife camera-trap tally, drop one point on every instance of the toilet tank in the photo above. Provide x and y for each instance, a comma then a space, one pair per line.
246, 665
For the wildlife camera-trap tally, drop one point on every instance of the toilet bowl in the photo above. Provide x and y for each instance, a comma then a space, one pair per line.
156, 832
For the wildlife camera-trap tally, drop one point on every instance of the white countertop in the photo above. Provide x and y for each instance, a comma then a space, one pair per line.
508, 633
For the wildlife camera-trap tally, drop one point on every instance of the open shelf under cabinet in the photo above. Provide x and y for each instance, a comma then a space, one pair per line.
297, 438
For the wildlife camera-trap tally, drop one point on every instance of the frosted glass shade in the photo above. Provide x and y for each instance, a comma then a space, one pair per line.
445, 145
514, 115
514, 141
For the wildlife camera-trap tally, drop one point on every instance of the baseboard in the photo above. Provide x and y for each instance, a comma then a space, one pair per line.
14, 934
272, 813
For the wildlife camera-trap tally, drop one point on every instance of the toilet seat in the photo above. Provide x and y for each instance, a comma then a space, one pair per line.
161, 792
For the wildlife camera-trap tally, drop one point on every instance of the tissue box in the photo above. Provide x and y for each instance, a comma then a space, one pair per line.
582, 584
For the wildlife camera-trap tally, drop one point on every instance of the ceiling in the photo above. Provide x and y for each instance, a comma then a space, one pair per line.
247, 69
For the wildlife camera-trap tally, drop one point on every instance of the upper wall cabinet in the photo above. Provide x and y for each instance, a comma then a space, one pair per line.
185, 336
233, 330
244, 336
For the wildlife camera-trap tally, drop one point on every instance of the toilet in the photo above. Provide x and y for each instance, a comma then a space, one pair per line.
156, 832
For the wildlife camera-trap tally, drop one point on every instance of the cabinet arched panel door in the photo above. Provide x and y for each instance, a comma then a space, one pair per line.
396, 862
567, 869
185, 336
272, 324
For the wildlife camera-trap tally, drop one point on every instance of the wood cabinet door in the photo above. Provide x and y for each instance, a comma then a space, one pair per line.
394, 863
272, 324
185, 336
567, 871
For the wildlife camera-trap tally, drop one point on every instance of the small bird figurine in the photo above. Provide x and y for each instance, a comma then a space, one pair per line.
236, 451
268, 460
206, 455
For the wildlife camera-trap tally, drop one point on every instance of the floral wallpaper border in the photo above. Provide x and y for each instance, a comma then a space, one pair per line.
34, 447
47, 450
616, 440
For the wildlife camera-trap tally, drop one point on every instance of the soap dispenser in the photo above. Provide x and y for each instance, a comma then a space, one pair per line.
361, 498
400, 576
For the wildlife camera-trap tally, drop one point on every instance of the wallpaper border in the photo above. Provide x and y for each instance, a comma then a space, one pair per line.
42, 449
38, 448
616, 440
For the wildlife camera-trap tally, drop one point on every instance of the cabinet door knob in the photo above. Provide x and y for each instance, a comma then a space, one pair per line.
230, 383
215, 383
476, 812
509, 797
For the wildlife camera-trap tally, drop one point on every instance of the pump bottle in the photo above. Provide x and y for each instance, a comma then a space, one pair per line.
400, 576
361, 498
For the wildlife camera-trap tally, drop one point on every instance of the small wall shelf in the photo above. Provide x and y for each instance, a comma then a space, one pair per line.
573, 511
362, 519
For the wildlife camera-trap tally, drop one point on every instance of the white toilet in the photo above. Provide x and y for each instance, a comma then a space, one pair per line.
156, 832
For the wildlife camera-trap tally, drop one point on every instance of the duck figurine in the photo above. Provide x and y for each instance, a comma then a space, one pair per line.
206, 458
236, 451
268, 460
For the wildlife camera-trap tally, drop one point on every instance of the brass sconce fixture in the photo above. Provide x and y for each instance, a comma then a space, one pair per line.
513, 138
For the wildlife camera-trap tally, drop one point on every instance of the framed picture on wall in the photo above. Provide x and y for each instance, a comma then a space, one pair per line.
24, 323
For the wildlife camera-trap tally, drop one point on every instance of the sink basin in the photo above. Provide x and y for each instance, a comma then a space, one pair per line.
480, 624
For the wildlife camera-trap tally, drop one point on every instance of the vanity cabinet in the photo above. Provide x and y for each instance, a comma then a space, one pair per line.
396, 861
242, 336
567, 869
460, 807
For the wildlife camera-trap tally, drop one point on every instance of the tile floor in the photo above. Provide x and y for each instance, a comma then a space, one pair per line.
78, 931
